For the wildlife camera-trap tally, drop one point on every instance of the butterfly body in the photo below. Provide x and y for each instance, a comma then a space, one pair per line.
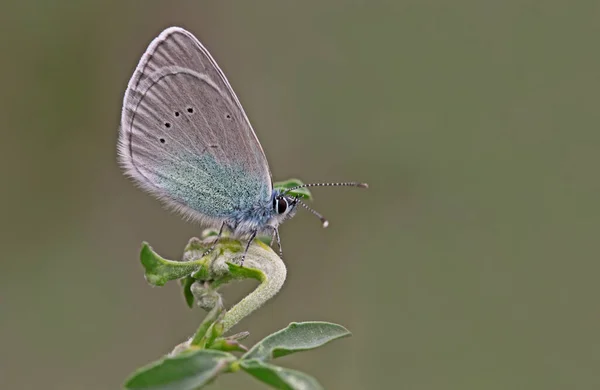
185, 138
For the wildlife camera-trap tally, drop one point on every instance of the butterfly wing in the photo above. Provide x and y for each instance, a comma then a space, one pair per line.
185, 137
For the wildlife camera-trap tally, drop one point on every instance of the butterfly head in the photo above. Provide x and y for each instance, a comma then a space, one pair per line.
284, 206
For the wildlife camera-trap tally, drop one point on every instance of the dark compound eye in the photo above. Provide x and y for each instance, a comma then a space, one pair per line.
281, 205
190, 110
167, 125
228, 116
176, 113
162, 140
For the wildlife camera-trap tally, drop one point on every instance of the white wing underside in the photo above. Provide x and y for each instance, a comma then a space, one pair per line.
179, 116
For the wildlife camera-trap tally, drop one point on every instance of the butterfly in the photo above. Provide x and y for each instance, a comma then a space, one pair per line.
185, 139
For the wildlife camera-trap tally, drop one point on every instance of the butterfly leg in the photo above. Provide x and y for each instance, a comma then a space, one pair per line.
276, 233
214, 244
252, 237
275, 236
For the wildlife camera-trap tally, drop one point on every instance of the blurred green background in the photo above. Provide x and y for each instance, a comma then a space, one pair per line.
470, 263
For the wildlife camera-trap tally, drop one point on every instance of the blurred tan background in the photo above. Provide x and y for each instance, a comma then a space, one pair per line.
470, 263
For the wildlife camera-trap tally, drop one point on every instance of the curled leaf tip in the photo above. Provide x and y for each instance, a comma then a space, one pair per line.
201, 274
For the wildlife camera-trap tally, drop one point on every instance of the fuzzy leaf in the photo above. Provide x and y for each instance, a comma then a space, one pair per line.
291, 183
296, 337
188, 370
226, 344
186, 284
238, 272
204, 332
265, 239
159, 271
279, 377
238, 336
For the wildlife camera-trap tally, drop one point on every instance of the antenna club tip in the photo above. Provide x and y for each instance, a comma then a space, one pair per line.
363, 185
325, 223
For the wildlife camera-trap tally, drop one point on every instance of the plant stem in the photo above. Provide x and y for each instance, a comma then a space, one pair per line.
261, 263
263, 258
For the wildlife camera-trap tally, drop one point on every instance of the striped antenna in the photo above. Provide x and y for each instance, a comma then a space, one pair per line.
324, 221
348, 184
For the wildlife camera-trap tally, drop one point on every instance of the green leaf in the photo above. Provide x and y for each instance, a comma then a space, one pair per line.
159, 270
265, 239
230, 343
227, 344
201, 273
215, 331
189, 370
239, 336
296, 337
186, 284
291, 183
279, 377
209, 233
238, 272
205, 330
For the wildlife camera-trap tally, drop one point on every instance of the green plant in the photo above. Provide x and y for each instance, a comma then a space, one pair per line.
208, 353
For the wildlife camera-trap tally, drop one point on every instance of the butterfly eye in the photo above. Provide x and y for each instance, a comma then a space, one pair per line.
280, 205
